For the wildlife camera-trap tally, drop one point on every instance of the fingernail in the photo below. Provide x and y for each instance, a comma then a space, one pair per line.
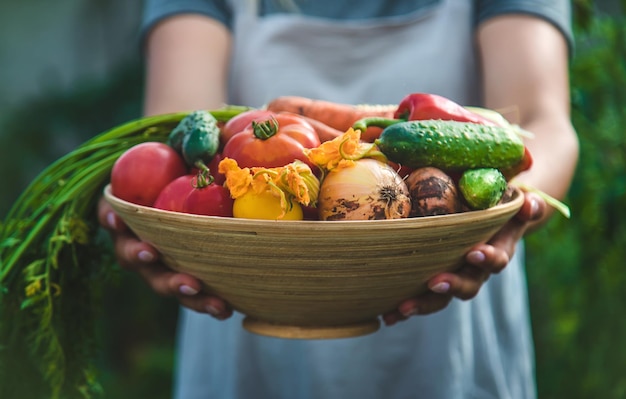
187, 290
476, 257
212, 310
440, 288
145, 256
534, 207
410, 312
111, 220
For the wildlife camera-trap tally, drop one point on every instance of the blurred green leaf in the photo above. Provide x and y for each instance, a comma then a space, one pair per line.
575, 266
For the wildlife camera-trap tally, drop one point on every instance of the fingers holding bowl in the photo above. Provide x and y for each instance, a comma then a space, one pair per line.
481, 261
138, 256
443, 288
187, 289
492, 257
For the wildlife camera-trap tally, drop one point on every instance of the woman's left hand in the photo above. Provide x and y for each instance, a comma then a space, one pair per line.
481, 261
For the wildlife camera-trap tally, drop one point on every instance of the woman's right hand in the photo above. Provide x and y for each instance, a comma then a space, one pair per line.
138, 256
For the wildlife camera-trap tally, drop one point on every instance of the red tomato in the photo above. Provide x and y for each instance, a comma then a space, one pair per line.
218, 178
273, 142
173, 196
211, 200
242, 121
141, 173
213, 169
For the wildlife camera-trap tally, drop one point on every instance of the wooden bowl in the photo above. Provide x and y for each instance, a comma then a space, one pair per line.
313, 279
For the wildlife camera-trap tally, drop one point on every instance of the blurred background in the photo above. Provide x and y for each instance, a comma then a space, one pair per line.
70, 69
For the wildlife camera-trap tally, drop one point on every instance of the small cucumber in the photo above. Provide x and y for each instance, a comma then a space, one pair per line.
451, 145
196, 138
482, 188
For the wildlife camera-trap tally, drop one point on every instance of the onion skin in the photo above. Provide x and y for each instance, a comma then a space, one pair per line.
369, 190
432, 193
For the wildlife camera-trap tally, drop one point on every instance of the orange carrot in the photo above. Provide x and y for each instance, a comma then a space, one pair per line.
324, 132
336, 115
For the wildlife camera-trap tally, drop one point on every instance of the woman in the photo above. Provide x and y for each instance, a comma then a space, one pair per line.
497, 54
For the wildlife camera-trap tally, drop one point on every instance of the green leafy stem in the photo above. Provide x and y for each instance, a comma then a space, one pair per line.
46, 244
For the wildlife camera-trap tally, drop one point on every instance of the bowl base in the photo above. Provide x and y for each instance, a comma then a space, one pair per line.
277, 330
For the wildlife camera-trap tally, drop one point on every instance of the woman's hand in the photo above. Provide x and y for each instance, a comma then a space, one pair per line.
481, 261
137, 256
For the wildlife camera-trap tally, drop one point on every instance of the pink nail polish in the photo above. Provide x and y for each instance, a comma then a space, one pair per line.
534, 207
476, 257
145, 256
187, 290
111, 220
440, 288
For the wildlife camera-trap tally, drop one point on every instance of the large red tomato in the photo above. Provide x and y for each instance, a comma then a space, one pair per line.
242, 121
274, 142
140, 173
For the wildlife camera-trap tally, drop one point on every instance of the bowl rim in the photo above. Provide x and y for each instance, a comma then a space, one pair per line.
509, 207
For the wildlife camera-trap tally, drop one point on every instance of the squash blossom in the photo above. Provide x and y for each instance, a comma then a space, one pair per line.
238, 180
292, 182
342, 151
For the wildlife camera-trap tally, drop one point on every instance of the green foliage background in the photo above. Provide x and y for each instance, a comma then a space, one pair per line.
575, 267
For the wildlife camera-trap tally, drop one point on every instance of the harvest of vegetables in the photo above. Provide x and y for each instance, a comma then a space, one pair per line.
297, 159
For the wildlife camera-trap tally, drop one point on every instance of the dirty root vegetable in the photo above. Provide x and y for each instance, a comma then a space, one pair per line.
366, 190
432, 192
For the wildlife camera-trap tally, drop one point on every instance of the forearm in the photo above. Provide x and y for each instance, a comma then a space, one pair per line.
555, 153
525, 64
186, 65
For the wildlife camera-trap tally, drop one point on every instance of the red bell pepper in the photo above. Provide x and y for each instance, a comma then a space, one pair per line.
421, 106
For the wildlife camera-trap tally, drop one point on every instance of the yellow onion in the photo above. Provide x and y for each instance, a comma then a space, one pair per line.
366, 190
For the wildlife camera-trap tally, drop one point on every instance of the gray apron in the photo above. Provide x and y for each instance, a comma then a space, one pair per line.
473, 349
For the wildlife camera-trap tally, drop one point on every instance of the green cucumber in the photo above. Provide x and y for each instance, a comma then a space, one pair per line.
482, 188
451, 145
196, 138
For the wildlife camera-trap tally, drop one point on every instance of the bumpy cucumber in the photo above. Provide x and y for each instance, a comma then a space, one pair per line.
451, 145
196, 138
482, 188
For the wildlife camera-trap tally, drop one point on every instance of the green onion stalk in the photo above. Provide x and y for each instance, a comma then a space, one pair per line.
54, 261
